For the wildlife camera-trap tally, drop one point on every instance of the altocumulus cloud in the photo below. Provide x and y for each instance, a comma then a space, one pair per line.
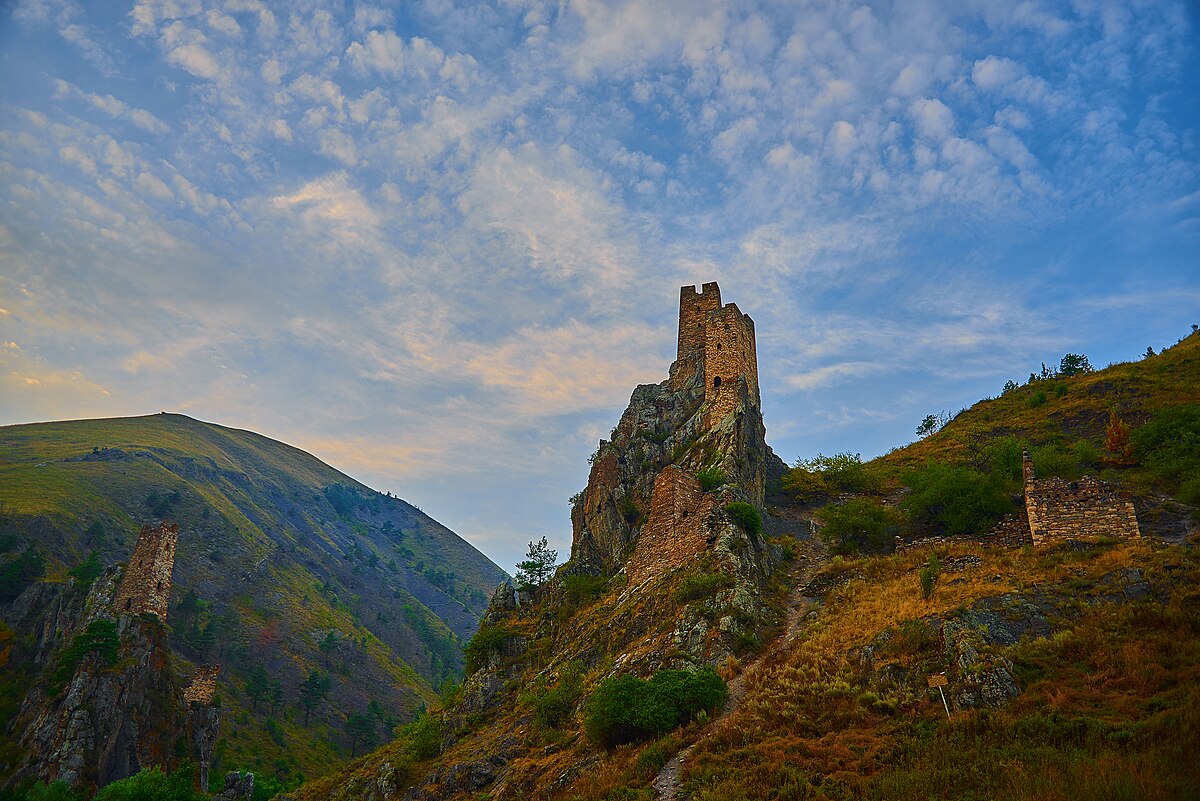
438, 243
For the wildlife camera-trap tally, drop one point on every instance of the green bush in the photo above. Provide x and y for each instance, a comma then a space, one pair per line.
954, 500
487, 640
1049, 460
1036, 399
695, 586
17, 574
929, 575
553, 708
580, 590
626, 709
746, 516
859, 524
87, 571
424, 736
711, 477
100, 637
823, 475
55, 791
151, 784
1169, 445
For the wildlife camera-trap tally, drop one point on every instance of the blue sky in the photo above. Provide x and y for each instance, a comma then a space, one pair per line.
438, 243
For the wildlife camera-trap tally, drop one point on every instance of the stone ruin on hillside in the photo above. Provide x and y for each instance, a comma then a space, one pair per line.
1055, 509
200, 697
146, 584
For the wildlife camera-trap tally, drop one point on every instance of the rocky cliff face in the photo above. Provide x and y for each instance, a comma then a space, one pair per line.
670, 423
107, 702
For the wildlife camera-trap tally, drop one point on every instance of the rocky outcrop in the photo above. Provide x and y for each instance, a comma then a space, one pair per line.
108, 703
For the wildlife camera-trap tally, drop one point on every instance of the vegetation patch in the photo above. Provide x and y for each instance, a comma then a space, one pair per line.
746, 516
626, 709
695, 586
490, 639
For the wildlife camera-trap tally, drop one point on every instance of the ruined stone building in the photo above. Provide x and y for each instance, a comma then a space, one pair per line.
199, 696
146, 584
718, 342
1059, 509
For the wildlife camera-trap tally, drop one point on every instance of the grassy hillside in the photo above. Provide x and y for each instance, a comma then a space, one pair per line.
284, 566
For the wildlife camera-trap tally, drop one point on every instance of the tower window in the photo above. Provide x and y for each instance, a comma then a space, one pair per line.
128, 604
717, 382
159, 588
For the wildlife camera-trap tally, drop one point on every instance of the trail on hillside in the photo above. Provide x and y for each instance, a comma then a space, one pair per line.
667, 783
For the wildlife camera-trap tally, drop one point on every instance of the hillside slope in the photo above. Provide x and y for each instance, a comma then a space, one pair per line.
1072, 670
284, 566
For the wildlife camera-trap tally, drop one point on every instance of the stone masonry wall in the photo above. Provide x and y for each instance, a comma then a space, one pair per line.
1059, 509
146, 584
677, 528
694, 309
729, 354
203, 688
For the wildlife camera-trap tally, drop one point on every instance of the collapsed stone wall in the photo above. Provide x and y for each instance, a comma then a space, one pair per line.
203, 688
1059, 509
678, 527
146, 585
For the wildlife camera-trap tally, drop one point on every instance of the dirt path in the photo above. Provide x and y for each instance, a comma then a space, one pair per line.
667, 783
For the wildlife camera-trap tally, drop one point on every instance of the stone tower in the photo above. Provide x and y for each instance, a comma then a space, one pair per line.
146, 585
717, 343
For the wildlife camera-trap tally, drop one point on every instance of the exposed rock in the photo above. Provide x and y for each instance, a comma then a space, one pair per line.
238, 787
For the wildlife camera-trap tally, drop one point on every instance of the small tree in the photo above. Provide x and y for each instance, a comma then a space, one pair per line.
328, 646
258, 686
929, 575
1074, 364
1117, 440
1009, 386
1149, 352
537, 566
928, 425
312, 691
361, 728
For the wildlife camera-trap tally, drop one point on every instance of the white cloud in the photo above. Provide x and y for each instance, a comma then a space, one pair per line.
153, 186
195, 59
932, 118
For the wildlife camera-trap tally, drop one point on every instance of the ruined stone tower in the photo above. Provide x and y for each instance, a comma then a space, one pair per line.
1059, 509
146, 585
716, 342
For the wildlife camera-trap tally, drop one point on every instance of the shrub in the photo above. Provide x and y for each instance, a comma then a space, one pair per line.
17, 574
929, 575
87, 571
825, 475
1169, 445
711, 477
1036, 399
1048, 461
580, 590
553, 708
955, 500
746, 516
487, 640
424, 736
695, 586
859, 524
626, 709
151, 784
55, 791
100, 637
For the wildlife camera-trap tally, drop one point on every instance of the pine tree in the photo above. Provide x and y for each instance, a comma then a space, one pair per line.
537, 566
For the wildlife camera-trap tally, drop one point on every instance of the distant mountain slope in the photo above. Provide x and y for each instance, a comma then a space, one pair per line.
277, 551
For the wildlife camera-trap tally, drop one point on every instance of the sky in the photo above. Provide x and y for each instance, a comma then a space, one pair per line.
438, 243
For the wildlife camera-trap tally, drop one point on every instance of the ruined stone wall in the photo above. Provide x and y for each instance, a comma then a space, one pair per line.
146, 584
1061, 509
203, 688
1010, 532
677, 528
1058, 509
729, 354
